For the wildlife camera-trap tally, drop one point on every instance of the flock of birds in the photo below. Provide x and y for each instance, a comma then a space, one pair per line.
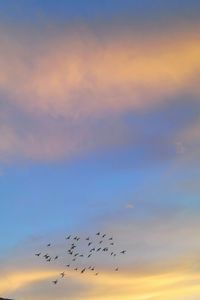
101, 243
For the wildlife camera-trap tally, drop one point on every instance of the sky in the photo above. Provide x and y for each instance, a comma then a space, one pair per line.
99, 131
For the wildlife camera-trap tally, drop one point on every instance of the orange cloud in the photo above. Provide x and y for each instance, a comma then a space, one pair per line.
82, 75
76, 76
169, 286
17, 280
162, 262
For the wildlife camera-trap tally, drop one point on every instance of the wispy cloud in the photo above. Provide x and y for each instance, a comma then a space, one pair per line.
61, 85
161, 262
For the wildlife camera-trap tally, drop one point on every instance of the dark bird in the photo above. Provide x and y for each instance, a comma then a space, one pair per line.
68, 266
111, 244
62, 274
55, 281
110, 239
76, 269
38, 254
123, 252
92, 269
49, 259
67, 238
89, 255
116, 269
103, 235
83, 270
87, 239
48, 245
96, 274
56, 257
98, 249
90, 243
98, 233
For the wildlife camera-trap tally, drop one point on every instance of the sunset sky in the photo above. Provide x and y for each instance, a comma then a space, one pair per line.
100, 131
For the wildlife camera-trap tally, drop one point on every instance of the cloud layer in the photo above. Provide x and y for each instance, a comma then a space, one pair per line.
56, 91
162, 261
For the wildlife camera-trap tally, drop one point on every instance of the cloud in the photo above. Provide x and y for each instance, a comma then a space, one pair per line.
162, 261
64, 86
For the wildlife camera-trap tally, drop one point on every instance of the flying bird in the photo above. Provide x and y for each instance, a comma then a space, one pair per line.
62, 274
55, 281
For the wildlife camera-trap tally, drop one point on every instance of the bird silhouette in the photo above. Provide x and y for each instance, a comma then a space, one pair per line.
55, 281
62, 274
